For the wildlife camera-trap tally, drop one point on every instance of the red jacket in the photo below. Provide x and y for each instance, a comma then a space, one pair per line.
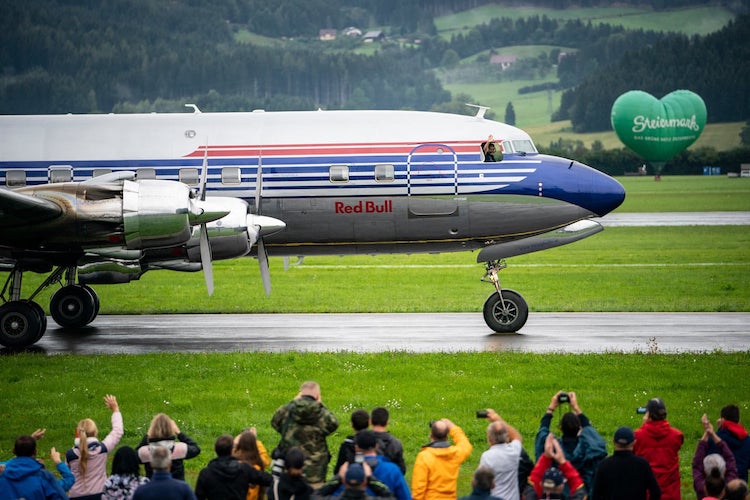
659, 443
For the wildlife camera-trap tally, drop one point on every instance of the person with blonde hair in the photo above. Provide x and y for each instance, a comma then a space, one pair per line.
163, 431
250, 450
88, 457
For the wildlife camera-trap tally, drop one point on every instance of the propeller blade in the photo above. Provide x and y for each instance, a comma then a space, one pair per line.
206, 260
204, 173
258, 185
265, 273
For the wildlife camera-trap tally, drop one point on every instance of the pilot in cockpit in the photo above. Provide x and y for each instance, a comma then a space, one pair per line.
489, 150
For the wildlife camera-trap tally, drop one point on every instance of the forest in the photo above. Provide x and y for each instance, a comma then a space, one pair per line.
85, 56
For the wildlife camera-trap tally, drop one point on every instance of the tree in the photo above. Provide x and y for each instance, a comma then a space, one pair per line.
510, 114
745, 134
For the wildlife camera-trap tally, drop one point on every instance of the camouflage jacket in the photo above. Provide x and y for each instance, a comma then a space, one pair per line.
305, 423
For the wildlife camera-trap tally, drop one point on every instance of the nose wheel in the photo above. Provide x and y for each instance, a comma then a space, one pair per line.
505, 311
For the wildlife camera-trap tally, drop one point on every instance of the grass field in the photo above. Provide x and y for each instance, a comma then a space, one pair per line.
211, 394
669, 268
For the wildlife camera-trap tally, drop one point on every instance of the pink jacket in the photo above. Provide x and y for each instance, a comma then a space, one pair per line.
96, 466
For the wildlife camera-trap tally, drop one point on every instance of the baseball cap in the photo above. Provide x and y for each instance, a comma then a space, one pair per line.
656, 408
553, 477
355, 474
624, 436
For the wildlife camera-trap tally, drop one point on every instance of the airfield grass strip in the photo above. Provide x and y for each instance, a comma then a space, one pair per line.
211, 394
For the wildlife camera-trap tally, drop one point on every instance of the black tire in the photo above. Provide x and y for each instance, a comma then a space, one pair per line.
97, 303
20, 324
73, 306
508, 315
42, 318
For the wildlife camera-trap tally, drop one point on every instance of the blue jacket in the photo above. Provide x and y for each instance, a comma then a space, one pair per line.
164, 487
390, 474
740, 446
584, 453
26, 478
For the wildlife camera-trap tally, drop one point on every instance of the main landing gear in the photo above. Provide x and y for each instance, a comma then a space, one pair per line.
23, 322
505, 311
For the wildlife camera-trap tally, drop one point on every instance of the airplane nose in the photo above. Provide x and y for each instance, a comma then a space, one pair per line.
607, 194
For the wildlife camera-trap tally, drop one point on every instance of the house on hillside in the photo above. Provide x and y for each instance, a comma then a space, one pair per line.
374, 36
504, 62
327, 34
351, 31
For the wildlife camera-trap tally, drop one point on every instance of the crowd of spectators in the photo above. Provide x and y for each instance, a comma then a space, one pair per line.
573, 465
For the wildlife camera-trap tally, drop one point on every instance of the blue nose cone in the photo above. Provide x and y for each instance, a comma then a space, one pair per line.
606, 194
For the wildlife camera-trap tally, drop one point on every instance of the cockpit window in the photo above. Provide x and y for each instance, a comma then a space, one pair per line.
523, 146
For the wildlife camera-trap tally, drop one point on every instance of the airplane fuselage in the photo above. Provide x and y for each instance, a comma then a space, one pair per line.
342, 181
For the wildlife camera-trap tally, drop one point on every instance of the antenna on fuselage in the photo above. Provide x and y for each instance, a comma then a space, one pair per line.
195, 108
481, 110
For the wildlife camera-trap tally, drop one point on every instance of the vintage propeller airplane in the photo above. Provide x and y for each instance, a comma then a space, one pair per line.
104, 198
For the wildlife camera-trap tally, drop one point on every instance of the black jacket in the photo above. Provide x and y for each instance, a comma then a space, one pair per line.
226, 478
287, 486
625, 476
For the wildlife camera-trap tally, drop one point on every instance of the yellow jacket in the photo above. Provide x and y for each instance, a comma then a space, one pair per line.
253, 491
435, 473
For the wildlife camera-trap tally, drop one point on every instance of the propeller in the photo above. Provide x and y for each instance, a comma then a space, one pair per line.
205, 246
265, 272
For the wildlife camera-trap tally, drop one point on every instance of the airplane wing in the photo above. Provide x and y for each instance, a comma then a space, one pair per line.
17, 209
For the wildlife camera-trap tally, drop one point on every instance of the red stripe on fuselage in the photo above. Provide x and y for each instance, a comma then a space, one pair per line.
321, 150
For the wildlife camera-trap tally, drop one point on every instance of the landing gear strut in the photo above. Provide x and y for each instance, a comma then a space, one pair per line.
505, 311
23, 322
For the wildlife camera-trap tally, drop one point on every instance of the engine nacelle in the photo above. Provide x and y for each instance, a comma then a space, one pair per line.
231, 236
155, 213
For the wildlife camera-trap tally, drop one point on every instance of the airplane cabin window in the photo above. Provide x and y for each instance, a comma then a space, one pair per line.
230, 175
189, 176
384, 173
61, 174
338, 173
15, 178
145, 173
101, 171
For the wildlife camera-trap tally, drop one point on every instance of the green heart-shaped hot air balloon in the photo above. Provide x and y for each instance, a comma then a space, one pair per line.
658, 129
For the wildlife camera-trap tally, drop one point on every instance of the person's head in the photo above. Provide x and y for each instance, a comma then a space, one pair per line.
366, 441
355, 476
656, 409
360, 420
731, 413
161, 427
161, 458
497, 433
25, 446
85, 429
379, 416
484, 479
439, 431
736, 489
624, 438
294, 461
570, 425
714, 485
310, 388
714, 461
246, 448
553, 482
491, 147
125, 462
223, 445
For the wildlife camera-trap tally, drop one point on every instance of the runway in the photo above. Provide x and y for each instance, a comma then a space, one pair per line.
423, 332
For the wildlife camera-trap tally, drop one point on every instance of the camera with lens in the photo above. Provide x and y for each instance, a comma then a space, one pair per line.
563, 398
481, 413
641, 410
432, 422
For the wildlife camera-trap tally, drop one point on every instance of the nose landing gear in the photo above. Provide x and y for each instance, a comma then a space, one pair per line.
505, 311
